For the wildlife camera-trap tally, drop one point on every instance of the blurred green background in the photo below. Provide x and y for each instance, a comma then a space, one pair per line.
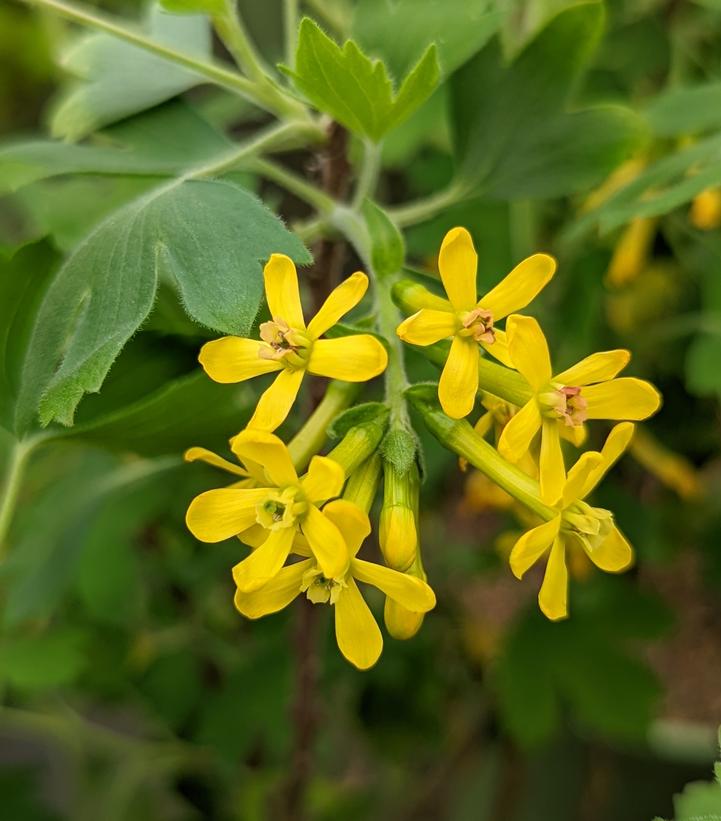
131, 689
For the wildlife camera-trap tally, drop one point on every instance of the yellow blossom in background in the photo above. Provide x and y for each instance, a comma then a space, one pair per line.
290, 347
468, 320
632, 251
357, 633
706, 210
587, 390
672, 469
270, 515
577, 526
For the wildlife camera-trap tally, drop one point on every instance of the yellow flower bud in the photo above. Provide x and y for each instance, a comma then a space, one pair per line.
632, 251
401, 623
397, 532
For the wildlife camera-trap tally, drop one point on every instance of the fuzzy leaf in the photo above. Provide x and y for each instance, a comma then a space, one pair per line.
116, 79
208, 238
355, 90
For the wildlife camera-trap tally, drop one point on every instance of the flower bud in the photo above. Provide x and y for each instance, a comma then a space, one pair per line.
363, 483
397, 533
400, 622
362, 429
411, 297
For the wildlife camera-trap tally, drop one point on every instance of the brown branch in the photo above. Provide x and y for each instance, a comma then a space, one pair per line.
335, 172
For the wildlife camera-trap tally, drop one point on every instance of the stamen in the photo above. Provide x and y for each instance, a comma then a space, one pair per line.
478, 324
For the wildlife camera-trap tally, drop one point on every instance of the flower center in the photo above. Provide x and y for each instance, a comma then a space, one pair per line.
591, 525
280, 509
478, 324
290, 345
319, 589
565, 402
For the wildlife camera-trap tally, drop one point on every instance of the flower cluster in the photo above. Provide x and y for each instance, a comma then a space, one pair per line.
531, 409
304, 532
304, 516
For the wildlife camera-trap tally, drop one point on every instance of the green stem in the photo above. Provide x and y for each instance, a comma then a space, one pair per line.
388, 318
459, 436
232, 32
275, 138
368, 175
17, 462
295, 184
311, 437
290, 30
271, 99
426, 208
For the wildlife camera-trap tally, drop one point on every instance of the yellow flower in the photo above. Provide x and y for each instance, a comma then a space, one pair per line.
706, 210
291, 347
632, 251
587, 390
357, 633
577, 525
271, 514
471, 321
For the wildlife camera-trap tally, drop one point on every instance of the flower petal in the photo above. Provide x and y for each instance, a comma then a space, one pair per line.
552, 468
281, 290
575, 434
267, 450
598, 367
276, 401
352, 522
532, 545
577, 480
410, 591
553, 595
265, 561
356, 358
518, 432
427, 326
529, 350
219, 514
457, 263
324, 479
233, 359
254, 536
459, 379
498, 349
358, 636
327, 543
519, 287
339, 301
614, 554
616, 443
204, 455
277, 594
625, 398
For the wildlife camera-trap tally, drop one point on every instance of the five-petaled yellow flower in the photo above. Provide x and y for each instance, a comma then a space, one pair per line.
357, 633
291, 347
577, 525
271, 514
469, 320
587, 390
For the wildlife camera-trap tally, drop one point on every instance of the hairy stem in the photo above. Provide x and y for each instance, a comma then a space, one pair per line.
290, 29
426, 208
302, 189
17, 462
266, 96
368, 176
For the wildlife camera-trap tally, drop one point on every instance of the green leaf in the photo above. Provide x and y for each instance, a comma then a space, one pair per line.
355, 90
514, 137
24, 280
702, 365
208, 238
386, 241
686, 111
116, 79
166, 140
42, 662
189, 410
459, 28
582, 663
